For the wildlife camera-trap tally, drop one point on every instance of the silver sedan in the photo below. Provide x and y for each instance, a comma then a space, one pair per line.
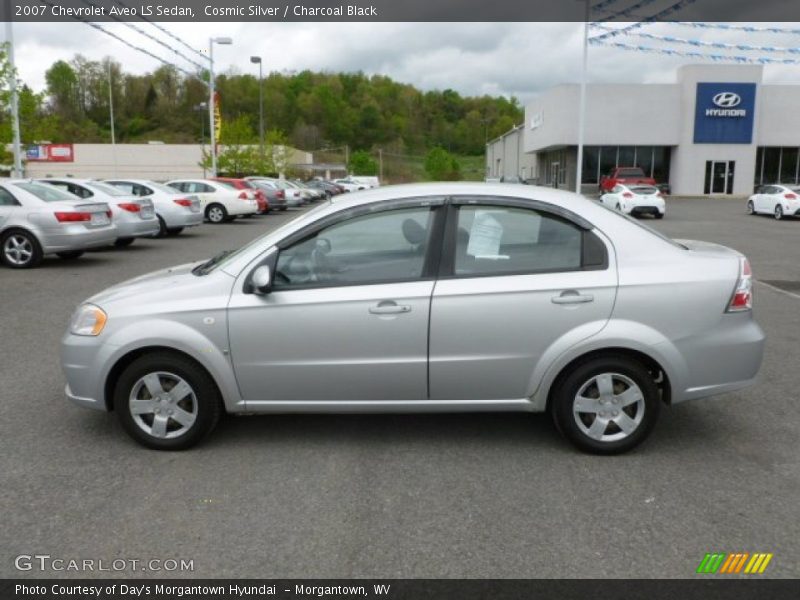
423, 298
36, 220
175, 210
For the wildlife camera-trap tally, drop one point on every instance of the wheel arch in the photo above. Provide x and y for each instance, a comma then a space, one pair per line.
660, 374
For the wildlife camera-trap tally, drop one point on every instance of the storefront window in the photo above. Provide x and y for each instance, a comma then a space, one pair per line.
771, 170
591, 163
661, 156
758, 179
788, 165
644, 159
608, 159
626, 156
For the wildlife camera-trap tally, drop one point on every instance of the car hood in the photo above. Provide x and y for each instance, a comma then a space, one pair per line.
157, 281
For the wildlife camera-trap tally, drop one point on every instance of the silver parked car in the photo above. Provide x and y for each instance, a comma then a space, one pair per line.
433, 297
134, 217
37, 219
175, 210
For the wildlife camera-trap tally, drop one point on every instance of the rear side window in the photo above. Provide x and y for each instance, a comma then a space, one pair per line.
6, 199
496, 240
46, 193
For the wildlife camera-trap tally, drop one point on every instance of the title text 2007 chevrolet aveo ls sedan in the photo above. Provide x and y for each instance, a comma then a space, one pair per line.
435, 297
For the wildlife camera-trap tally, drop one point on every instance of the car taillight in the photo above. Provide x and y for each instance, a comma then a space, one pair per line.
130, 206
743, 294
243, 196
790, 196
183, 202
281, 194
627, 195
108, 213
73, 217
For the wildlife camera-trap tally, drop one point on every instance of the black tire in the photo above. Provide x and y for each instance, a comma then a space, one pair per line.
71, 255
205, 401
283, 208
778, 214
751, 209
19, 249
174, 231
216, 214
659, 215
619, 368
162, 228
247, 216
124, 242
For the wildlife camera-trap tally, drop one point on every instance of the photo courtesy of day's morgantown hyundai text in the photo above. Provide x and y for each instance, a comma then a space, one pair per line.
443, 297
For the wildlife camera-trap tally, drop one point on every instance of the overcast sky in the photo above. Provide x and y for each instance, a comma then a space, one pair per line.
519, 59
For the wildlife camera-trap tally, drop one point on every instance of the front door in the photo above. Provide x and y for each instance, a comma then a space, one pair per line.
519, 284
347, 318
719, 176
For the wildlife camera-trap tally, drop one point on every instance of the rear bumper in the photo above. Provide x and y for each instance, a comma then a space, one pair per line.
722, 360
77, 237
184, 218
647, 210
137, 228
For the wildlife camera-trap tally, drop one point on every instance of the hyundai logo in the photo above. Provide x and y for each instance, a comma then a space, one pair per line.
727, 99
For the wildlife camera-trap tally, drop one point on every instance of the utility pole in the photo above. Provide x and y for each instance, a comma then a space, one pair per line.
211, 99
582, 107
380, 163
111, 116
14, 100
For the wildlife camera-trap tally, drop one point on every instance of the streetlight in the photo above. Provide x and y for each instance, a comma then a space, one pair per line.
201, 108
224, 41
582, 107
257, 60
14, 100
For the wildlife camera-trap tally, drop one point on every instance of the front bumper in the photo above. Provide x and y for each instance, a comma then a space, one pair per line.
84, 361
77, 237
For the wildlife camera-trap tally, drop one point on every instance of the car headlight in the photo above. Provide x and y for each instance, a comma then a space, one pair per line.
88, 320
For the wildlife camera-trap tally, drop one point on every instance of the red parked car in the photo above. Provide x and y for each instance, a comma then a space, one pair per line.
625, 176
248, 189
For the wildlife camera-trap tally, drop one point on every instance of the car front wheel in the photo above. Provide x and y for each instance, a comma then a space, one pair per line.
778, 212
751, 209
166, 401
607, 405
216, 213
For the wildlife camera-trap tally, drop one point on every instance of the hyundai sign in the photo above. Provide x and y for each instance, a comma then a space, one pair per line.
724, 113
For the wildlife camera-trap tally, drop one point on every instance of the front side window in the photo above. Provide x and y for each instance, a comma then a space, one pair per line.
494, 240
373, 248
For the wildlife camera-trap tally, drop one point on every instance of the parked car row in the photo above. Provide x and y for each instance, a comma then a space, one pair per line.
67, 216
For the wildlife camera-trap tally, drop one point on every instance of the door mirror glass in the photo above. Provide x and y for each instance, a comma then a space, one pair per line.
261, 280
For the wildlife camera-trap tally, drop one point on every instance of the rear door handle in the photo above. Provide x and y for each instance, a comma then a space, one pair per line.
572, 297
389, 307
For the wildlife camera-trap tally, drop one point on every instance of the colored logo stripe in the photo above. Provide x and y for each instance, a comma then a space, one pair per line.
724, 563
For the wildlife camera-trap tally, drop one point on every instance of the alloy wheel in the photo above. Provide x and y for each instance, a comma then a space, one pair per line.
18, 249
163, 405
215, 215
608, 407
778, 212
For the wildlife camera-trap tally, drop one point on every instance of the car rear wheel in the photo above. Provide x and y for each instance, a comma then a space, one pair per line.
20, 249
174, 231
216, 213
608, 405
659, 215
162, 228
751, 209
166, 401
73, 254
778, 212
123, 242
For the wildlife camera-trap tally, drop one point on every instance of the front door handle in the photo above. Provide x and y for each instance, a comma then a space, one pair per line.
572, 297
389, 307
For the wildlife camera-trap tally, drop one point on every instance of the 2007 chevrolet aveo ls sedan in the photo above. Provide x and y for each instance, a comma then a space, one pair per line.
431, 297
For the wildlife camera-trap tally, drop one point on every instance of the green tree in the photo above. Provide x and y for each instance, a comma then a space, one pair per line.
361, 163
440, 165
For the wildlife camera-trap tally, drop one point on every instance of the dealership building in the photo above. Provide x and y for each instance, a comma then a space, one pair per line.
717, 130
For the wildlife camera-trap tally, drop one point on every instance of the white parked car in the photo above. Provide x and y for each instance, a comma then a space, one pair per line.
777, 200
134, 217
350, 185
370, 181
219, 201
636, 200
175, 210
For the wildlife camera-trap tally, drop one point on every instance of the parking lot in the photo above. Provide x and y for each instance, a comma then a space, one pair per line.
484, 496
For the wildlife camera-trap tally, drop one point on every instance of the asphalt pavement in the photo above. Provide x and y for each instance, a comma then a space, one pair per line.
479, 496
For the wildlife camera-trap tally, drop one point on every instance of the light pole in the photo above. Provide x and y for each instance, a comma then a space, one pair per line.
211, 103
257, 60
582, 107
201, 108
14, 99
111, 118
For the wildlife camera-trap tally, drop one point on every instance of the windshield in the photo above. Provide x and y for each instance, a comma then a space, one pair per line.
106, 188
46, 193
638, 223
644, 190
225, 257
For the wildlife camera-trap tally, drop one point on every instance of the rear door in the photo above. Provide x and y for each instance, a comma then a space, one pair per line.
516, 284
9, 206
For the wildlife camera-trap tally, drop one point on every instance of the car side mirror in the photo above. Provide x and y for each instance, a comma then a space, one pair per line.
261, 281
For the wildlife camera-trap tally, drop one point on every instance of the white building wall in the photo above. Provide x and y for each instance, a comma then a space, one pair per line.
513, 162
